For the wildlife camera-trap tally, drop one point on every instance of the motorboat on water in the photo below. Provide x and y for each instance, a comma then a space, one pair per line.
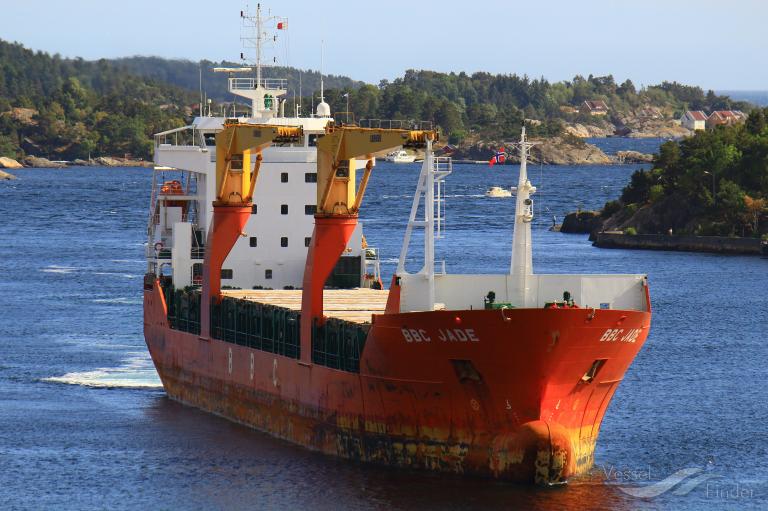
400, 156
498, 192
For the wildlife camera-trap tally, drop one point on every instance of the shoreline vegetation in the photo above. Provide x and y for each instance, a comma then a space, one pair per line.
714, 184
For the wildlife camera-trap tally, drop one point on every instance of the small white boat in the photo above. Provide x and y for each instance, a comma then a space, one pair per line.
497, 191
400, 156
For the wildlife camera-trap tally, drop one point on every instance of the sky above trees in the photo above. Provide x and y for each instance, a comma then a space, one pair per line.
709, 43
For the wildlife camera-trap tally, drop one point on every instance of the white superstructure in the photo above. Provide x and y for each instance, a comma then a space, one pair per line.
272, 253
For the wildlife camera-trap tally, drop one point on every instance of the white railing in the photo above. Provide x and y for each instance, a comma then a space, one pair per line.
395, 124
250, 83
186, 136
442, 166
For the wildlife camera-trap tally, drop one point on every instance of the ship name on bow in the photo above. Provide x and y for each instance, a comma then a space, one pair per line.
443, 334
617, 334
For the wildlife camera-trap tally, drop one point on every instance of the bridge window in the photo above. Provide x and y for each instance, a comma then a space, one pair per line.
283, 177
310, 177
254, 241
307, 241
226, 274
284, 242
254, 209
284, 209
310, 209
267, 274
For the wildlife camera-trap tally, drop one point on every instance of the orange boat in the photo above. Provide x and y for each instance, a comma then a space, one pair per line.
506, 376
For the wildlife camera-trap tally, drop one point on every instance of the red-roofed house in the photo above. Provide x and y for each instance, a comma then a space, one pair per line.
694, 120
596, 107
725, 118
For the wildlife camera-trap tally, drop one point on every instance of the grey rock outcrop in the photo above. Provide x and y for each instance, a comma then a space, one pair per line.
633, 157
581, 222
42, 163
565, 151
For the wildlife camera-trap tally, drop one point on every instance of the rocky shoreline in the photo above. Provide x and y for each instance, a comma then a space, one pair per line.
564, 150
632, 127
684, 243
604, 233
44, 163
561, 150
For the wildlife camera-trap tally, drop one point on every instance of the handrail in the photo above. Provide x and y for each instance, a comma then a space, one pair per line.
250, 83
190, 137
409, 124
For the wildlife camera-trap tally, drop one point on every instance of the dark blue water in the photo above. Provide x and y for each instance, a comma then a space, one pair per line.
84, 423
611, 145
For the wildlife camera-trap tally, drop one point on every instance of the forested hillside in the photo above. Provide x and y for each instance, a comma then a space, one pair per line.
65, 109
71, 108
714, 183
186, 74
489, 105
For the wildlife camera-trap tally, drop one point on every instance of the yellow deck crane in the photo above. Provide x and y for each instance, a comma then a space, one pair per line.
238, 160
338, 203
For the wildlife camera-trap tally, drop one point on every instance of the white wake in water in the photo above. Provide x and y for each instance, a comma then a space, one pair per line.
136, 372
54, 268
119, 300
126, 275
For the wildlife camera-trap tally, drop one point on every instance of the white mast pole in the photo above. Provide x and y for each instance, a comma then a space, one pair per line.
258, 98
522, 262
258, 45
429, 228
322, 96
200, 69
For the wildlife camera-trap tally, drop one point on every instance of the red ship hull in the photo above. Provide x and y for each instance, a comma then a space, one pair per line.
502, 394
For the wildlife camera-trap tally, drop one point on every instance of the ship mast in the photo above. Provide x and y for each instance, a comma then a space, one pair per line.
264, 93
258, 44
522, 263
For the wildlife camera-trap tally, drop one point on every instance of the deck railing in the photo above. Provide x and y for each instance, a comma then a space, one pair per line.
402, 124
250, 83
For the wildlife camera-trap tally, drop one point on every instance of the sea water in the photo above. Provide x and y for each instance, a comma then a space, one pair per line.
84, 422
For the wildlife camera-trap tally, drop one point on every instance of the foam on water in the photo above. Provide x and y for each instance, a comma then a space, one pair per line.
120, 300
118, 274
136, 372
53, 268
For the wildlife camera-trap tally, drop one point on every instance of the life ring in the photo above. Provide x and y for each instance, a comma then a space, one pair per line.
158, 246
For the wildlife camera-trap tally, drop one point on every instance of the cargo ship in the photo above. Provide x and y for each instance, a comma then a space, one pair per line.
264, 304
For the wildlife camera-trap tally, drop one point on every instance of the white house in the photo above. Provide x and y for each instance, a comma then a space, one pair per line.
694, 120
